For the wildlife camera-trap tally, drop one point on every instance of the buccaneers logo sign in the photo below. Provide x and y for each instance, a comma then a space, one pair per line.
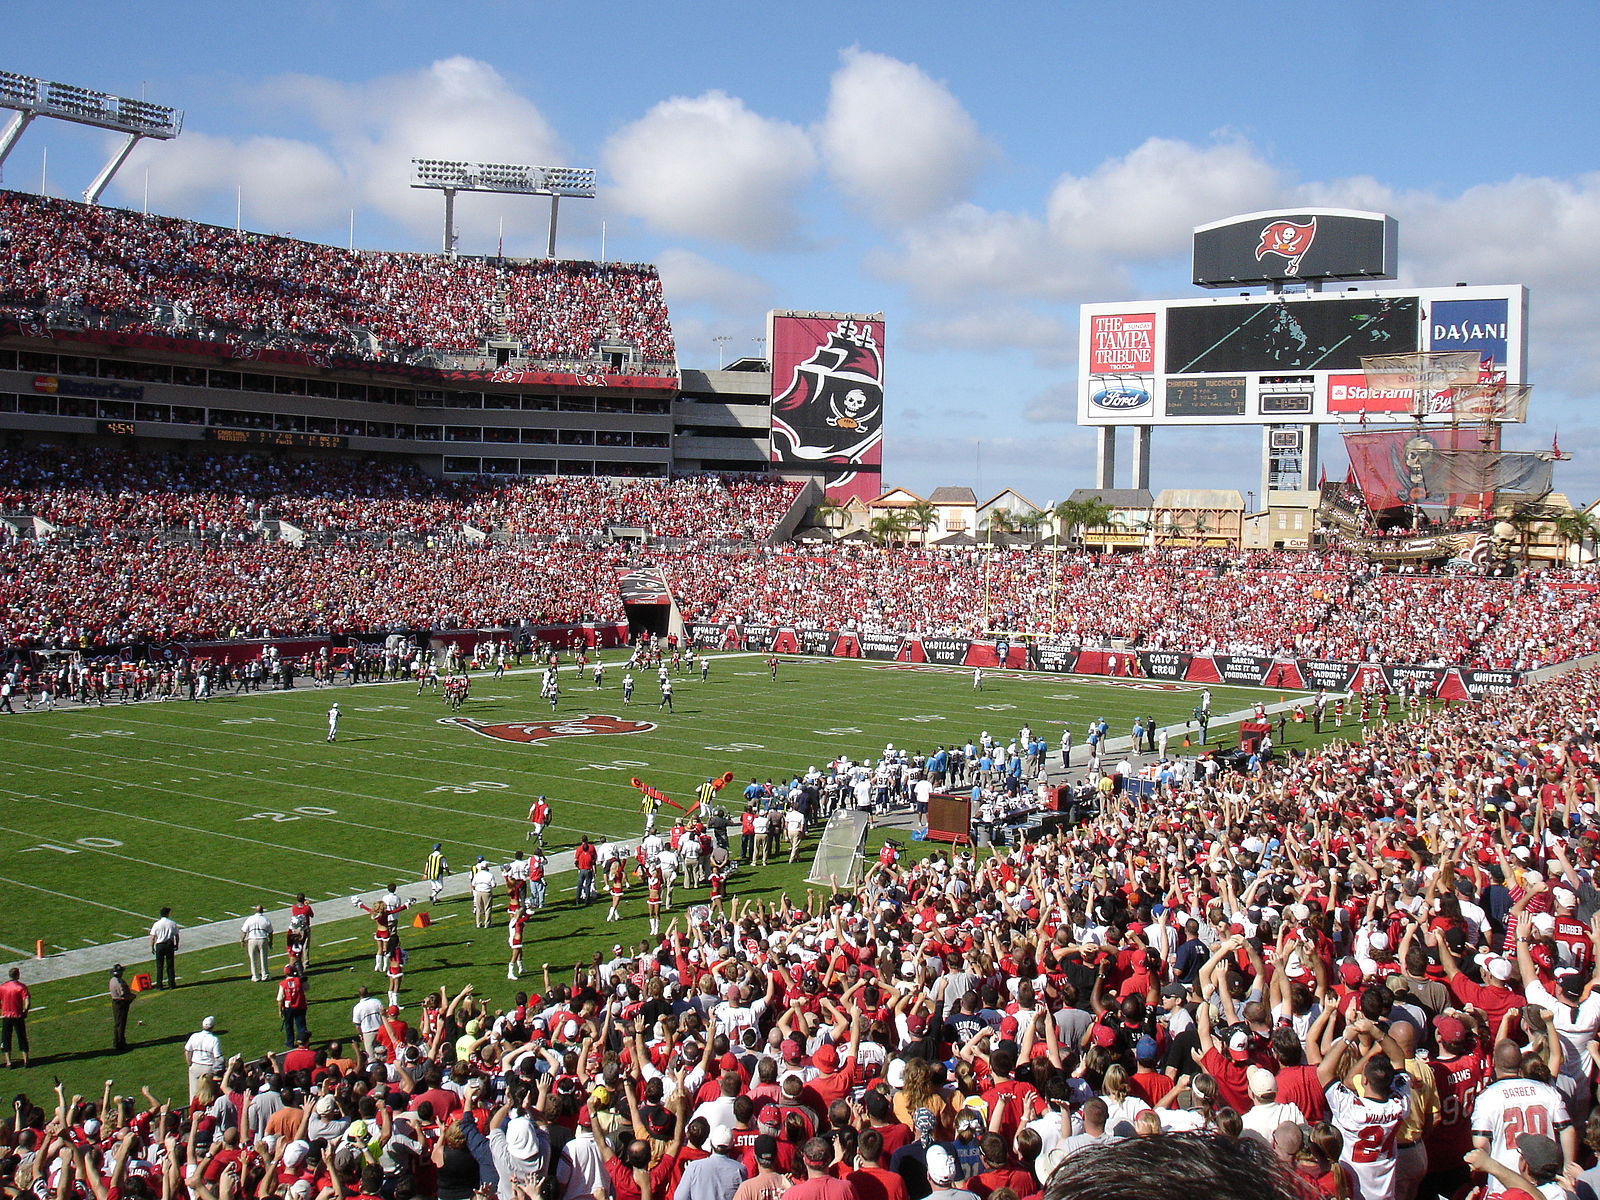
544, 731
831, 410
1288, 241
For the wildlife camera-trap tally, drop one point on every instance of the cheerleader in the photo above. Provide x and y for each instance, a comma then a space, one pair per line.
653, 899
519, 917
617, 881
396, 968
718, 881
1338, 713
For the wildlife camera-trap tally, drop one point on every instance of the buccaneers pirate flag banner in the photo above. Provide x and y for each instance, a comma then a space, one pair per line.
827, 399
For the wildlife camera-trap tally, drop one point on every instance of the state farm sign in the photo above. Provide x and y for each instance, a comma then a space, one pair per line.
1352, 394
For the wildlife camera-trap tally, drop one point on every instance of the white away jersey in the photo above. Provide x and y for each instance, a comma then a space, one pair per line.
1370, 1128
1509, 1108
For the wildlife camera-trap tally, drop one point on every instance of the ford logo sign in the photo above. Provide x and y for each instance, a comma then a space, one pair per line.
1119, 398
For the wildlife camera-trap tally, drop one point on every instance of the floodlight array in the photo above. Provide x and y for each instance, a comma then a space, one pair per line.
450, 175
68, 102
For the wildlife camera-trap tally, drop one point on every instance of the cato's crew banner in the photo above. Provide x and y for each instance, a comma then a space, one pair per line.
827, 399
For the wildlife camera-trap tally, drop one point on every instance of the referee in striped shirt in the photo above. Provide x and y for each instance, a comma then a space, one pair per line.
434, 871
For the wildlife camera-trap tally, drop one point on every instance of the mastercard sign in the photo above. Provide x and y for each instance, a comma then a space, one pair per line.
49, 385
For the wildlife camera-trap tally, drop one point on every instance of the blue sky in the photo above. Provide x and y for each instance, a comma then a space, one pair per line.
973, 173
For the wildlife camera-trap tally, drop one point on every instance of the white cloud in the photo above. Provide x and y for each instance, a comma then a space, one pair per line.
199, 169
688, 278
1142, 207
972, 254
1095, 230
896, 141
454, 108
708, 167
1003, 327
1056, 404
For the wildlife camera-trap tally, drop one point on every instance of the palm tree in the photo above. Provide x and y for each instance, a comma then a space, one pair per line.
922, 517
1066, 518
1575, 528
1174, 529
1000, 520
1523, 519
1030, 522
1077, 515
1201, 526
830, 515
891, 527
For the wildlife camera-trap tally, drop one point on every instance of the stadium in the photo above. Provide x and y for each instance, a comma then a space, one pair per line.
351, 595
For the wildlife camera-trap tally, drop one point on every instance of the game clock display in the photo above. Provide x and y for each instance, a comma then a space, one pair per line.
115, 428
1220, 397
277, 437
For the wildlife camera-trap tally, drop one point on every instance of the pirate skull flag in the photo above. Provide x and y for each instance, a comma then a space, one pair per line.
829, 410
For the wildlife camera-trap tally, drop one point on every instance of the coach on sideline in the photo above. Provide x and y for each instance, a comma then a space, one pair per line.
164, 947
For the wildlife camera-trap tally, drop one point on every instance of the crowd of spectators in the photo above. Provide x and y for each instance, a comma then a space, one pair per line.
1271, 603
1364, 970
173, 547
111, 492
114, 261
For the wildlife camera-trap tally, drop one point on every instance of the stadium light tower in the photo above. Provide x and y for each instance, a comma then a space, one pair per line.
31, 98
451, 177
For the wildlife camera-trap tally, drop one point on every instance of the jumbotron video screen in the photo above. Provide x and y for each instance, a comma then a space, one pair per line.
1329, 335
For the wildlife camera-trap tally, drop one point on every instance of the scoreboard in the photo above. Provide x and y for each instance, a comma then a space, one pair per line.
1270, 359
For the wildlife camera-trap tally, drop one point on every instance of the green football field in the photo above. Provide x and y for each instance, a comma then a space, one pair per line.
109, 813
112, 812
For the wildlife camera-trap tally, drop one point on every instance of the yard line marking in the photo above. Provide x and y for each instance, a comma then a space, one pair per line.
218, 775
144, 862
19, 954
123, 815
340, 942
33, 887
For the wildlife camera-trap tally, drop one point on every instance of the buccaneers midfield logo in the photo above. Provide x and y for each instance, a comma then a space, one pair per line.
544, 731
1288, 241
832, 410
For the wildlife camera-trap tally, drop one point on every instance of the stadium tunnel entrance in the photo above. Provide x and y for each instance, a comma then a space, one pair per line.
648, 603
